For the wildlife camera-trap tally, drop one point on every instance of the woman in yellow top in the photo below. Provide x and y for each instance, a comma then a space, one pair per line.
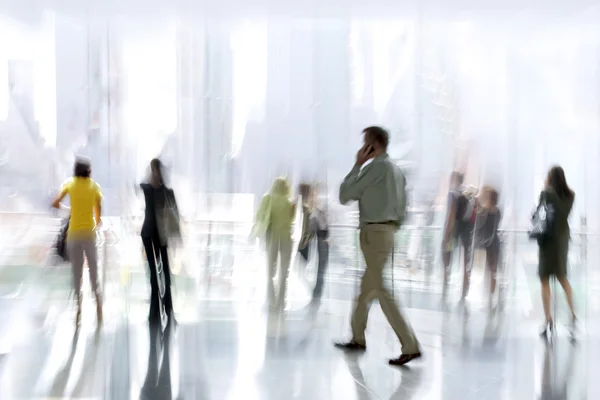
86, 204
276, 214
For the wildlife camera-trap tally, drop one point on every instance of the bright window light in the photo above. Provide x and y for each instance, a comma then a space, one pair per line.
249, 47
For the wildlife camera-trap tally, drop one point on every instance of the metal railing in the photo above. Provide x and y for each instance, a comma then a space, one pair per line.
219, 248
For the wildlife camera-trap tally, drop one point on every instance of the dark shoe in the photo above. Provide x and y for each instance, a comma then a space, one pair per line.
404, 359
351, 346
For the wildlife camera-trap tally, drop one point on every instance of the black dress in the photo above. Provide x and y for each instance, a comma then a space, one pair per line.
158, 258
554, 253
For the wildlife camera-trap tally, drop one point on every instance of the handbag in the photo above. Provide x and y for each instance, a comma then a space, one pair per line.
60, 243
542, 221
167, 219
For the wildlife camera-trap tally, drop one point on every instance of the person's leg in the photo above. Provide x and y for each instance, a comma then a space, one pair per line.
323, 253
467, 245
446, 258
545, 281
168, 300
302, 263
75, 252
447, 253
362, 303
566, 285
285, 256
377, 249
272, 252
151, 255
91, 254
491, 257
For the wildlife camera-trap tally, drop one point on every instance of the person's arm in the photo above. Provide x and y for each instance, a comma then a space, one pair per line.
498, 218
402, 200
294, 208
262, 209
450, 217
98, 206
355, 183
61, 195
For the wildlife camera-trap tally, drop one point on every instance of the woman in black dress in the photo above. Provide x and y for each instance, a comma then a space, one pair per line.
554, 252
156, 195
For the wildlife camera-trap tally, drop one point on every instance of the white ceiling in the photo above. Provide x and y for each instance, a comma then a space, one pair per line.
298, 8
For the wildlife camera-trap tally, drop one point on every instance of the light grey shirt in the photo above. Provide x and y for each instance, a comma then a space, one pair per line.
379, 189
319, 213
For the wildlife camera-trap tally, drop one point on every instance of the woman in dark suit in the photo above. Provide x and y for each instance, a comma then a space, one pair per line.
156, 195
554, 252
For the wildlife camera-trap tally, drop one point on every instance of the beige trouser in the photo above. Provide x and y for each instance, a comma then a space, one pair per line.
278, 246
377, 244
76, 248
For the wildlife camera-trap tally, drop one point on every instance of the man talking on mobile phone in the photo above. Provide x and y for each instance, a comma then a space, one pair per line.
379, 189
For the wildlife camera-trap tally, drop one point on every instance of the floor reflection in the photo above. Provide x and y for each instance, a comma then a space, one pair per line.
82, 370
157, 384
235, 350
557, 375
409, 387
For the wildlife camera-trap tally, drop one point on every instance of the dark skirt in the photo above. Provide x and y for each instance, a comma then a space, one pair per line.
553, 257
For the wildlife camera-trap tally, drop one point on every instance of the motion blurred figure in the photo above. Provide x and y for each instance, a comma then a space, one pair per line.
458, 228
554, 252
487, 224
85, 197
379, 189
273, 221
315, 223
156, 196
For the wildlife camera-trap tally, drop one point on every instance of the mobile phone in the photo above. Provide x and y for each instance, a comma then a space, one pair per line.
370, 150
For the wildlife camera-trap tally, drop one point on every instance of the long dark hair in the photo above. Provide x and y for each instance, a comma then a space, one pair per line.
156, 172
556, 180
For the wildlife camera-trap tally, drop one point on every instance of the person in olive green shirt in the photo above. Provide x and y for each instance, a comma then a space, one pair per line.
273, 222
380, 189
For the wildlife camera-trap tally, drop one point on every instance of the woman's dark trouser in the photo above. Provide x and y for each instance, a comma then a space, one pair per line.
155, 254
323, 252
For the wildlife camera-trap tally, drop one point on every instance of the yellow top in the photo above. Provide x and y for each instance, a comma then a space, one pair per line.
85, 195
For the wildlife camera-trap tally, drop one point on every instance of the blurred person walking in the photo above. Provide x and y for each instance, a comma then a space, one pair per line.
487, 224
273, 223
85, 197
554, 247
458, 230
160, 203
315, 223
380, 189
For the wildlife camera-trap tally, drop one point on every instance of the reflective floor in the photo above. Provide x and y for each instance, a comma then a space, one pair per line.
224, 345
234, 350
